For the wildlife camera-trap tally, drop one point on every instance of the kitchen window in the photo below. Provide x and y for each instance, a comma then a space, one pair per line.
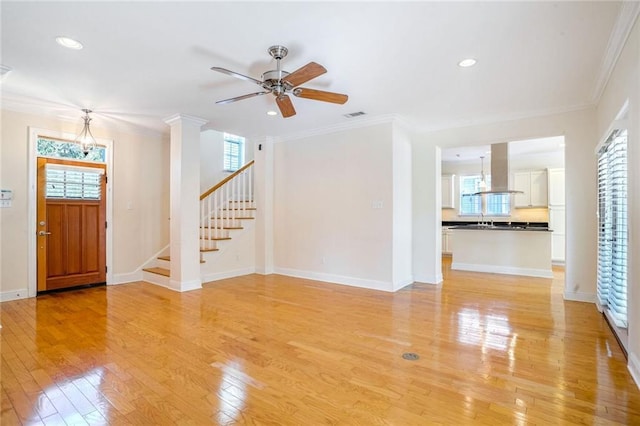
233, 152
472, 205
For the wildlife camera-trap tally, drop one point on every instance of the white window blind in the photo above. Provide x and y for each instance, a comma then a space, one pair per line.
233, 152
71, 182
612, 227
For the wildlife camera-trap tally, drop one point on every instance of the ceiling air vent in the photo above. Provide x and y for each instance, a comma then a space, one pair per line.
355, 114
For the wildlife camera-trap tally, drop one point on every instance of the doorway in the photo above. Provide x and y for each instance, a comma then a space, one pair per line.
84, 267
71, 223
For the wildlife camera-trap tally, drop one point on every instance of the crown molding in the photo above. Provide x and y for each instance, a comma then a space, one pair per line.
627, 17
501, 118
340, 127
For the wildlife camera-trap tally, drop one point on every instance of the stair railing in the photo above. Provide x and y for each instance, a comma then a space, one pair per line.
223, 203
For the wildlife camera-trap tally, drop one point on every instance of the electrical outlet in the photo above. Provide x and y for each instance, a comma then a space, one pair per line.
377, 204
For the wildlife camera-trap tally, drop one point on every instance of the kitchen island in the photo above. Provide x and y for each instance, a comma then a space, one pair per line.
503, 250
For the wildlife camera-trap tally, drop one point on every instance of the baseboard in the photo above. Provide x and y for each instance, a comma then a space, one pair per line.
7, 296
402, 283
578, 296
227, 274
189, 285
126, 278
507, 270
428, 279
336, 279
634, 368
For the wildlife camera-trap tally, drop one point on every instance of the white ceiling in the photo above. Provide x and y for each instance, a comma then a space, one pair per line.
144, 61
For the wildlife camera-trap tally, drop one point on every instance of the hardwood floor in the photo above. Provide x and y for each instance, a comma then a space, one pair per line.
494, 349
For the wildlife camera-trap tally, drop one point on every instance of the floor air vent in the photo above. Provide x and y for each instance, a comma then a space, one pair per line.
355, 114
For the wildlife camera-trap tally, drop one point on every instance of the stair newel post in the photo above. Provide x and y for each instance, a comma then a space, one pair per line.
208, 225
235, 198
217, 213
244, 193
251, 185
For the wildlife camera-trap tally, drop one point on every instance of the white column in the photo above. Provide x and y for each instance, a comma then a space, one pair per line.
184, 172
263, 194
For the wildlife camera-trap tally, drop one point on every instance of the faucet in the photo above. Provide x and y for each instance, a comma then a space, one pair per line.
481, 219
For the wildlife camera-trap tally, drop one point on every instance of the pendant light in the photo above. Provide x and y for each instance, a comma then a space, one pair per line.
483, 183
85, 139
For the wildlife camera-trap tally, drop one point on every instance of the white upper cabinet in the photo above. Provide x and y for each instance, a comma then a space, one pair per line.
556, 187
534, 187
448, 191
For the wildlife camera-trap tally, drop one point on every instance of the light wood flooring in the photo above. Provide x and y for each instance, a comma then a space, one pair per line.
493, 349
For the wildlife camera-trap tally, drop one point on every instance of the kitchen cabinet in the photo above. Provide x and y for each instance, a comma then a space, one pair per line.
448, 191
557, 224
447, 241
556, 187
557, 214
534, 187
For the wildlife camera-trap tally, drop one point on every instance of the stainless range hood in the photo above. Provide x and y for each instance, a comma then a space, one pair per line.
499, 170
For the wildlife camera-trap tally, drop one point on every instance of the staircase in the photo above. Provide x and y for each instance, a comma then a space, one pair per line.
225, 211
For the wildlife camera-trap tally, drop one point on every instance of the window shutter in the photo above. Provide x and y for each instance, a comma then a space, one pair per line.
612, 227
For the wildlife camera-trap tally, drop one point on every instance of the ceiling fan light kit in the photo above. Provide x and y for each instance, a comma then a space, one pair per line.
280, 83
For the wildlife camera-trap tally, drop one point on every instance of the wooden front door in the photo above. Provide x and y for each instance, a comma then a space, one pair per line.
71, 222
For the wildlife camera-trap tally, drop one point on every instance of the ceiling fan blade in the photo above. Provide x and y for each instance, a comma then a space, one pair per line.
320, 95
239, 98
304, 74
237, 75
285, 105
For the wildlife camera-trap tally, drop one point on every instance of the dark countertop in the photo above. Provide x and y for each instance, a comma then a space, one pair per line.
498, 227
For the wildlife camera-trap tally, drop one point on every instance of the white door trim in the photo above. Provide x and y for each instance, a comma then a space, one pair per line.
33, 203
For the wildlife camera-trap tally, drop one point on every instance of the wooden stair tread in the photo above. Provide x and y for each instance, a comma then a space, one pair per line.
222, 227
239, 208
215, 238
233, 218
159, 271
168, 259
208, 250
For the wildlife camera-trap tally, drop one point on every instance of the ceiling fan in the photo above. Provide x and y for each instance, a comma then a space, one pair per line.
280, 83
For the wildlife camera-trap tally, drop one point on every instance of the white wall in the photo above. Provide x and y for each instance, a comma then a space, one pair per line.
402, 193
624, 85
325, 226
211, 159
139, 187
579, 130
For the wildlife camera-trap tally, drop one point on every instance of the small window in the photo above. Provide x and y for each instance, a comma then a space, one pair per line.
471, 205
56, 148
233, 152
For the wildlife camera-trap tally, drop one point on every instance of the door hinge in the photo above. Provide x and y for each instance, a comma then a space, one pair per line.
106, 269
106, 179
105, 224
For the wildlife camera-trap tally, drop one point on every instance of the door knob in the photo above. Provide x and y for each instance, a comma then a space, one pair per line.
43, 233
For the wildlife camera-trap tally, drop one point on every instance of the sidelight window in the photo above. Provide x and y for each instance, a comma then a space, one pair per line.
612, 228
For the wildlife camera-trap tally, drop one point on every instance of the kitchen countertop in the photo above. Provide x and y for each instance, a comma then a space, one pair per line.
489, 227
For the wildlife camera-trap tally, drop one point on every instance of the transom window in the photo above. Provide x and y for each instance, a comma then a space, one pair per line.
233, 152
58, 148
472, 205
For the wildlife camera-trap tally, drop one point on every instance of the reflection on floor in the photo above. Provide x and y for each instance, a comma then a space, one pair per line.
493, 349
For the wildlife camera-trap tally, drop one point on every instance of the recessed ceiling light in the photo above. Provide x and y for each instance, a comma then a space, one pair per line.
69, 43
469, 62
272, 113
